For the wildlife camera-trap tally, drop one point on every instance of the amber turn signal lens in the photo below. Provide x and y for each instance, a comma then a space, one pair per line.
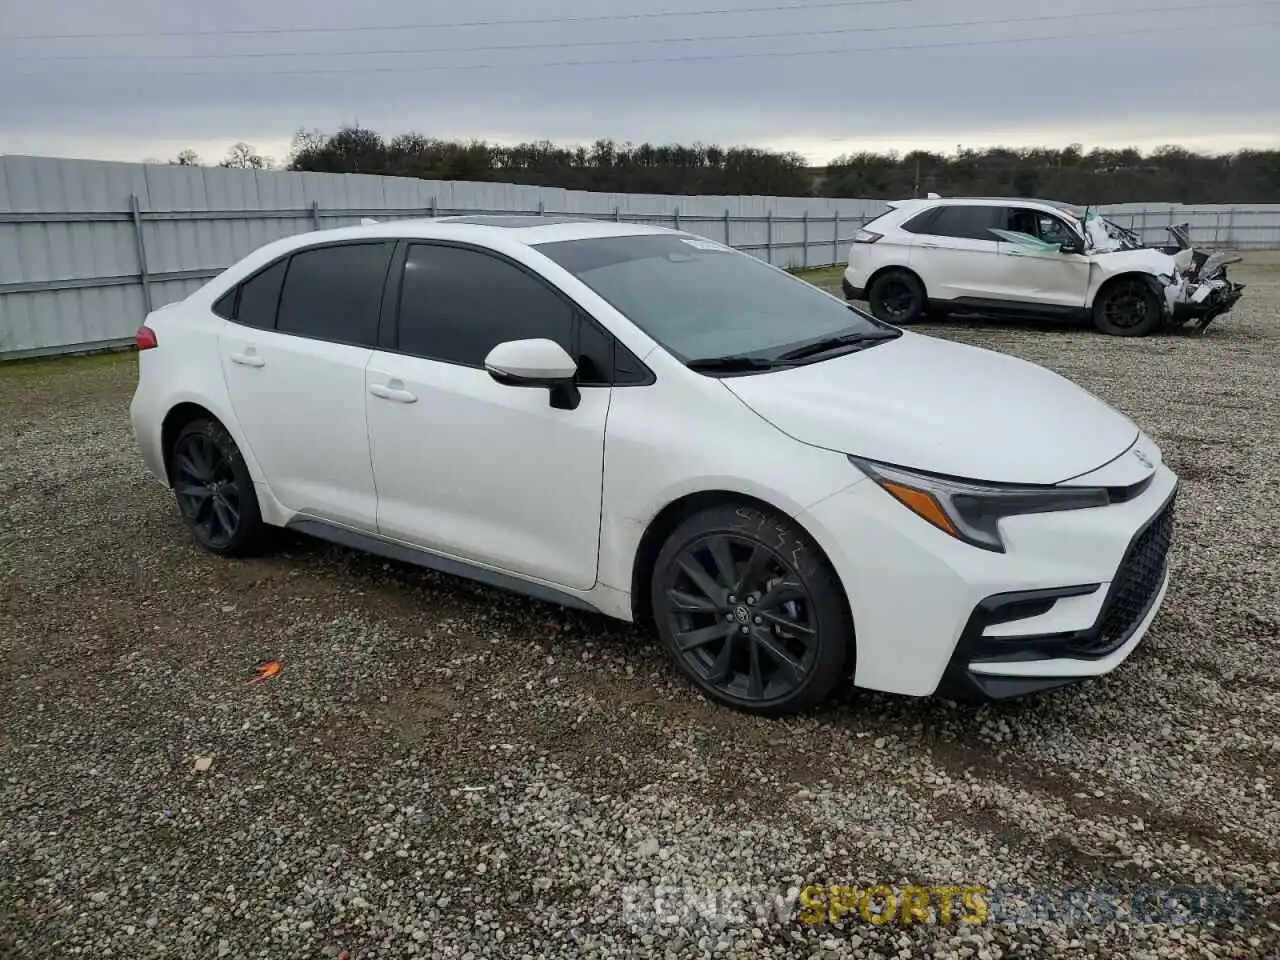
922, 505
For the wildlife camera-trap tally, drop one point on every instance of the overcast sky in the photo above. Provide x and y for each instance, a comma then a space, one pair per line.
857, 74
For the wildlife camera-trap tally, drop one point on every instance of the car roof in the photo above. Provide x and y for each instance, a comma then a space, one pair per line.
487, 229
1074, 209
492, 231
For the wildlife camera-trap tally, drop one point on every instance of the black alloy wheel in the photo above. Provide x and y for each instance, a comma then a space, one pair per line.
214, 490
1128, 308
896, 297
757, 625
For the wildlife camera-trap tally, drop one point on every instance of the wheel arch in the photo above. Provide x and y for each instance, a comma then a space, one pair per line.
1150, 279
178, 417
186, 409
671, 516
903, 268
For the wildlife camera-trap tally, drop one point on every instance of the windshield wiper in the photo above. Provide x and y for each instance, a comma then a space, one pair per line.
733, 363
834, 343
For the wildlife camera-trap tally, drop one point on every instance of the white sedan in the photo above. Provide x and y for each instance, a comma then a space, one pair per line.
648, 424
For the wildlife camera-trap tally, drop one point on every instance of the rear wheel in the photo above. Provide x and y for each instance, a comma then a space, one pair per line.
896, 296
214, 490
1127, 308
751, 611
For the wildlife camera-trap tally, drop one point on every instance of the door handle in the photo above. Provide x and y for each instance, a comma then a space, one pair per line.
398, 394
249, 359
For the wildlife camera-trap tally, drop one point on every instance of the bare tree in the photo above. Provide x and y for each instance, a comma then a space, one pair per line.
244, 157
187, 158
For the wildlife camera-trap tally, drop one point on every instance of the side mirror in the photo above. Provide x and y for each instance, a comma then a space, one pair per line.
1072, 246
536, 363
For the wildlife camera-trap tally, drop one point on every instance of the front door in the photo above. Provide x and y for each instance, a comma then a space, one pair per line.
466, 466
1033, 268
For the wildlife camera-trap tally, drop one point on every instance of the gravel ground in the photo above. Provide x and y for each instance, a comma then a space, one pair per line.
443, 770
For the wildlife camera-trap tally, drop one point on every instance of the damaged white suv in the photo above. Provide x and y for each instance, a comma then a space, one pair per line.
1032, 257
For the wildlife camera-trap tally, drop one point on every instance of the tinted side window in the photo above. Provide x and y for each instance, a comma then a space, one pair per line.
259, 297
594, 355
921, 221
456, 305
225, 305
334, 293
1037, 223
968, 222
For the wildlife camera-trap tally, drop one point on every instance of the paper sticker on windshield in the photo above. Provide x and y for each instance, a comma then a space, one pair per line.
705, 244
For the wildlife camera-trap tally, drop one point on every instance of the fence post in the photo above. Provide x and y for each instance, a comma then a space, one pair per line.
1143, 232
617, 214
676, 218
768, 237
835, 240
541, 208
1231, 227
315, 214
805, 256
433, 207
726, 228
142, 252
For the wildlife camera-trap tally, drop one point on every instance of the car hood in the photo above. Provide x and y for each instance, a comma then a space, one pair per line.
943, 407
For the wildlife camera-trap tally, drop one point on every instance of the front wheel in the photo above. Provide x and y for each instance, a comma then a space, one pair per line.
751, 611
214, 490
1128, 308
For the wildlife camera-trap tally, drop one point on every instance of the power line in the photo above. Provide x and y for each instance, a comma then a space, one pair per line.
256, 54
530, 21
435, 68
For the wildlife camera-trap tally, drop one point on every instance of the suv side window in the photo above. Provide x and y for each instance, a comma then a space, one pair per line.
1041, 225
921, 222
457, 304
335, 292
968, 222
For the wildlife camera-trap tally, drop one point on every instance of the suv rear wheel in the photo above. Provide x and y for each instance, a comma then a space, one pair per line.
896, 296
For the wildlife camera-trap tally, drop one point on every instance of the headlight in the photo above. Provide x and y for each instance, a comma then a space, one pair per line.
971, 511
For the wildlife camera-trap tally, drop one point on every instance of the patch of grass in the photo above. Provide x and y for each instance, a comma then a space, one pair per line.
45, 366
827, 277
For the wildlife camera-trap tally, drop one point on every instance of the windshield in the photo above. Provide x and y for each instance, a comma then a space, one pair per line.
701, 299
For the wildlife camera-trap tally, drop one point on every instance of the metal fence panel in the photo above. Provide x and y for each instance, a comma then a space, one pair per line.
88, 247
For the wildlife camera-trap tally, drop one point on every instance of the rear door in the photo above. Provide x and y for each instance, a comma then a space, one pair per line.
955, 252
294, 356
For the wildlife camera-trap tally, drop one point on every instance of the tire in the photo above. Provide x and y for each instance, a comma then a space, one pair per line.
214, 491
896, 296
1128, 308
751, 611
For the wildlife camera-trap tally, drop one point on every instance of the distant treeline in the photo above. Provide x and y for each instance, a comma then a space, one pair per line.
1169, 174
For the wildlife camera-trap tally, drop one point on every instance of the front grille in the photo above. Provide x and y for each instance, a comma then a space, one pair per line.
1135, 586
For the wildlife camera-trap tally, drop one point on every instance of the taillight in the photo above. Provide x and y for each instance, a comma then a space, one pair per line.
866, 236
145, 338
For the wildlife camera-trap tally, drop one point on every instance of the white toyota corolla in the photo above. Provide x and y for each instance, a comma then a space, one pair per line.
654, 426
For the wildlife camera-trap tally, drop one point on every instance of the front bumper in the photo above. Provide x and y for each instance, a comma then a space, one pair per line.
933, 615
1220, 298
1001, 666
